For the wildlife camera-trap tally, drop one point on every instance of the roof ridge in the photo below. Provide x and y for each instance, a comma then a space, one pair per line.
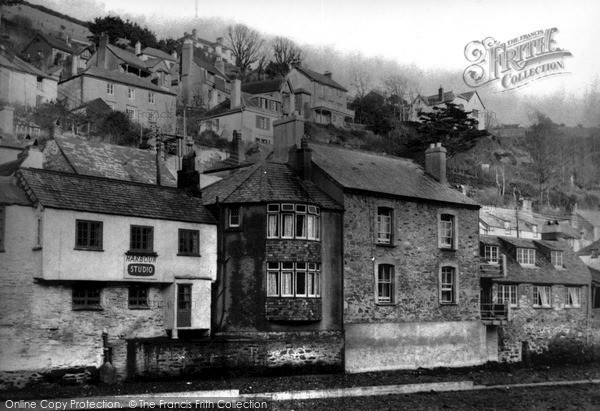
237, 186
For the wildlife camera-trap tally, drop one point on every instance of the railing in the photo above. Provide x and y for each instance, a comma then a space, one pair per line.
494, 313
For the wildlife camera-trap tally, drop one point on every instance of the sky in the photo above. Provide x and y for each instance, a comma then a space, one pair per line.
429, 34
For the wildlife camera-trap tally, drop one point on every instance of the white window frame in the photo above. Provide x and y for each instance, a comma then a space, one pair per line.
544, 292
556, 258
446, 286
283, 221
235, 219
447, 231
491, 254
293, 271
131, 93
387, 281
151, 97
384, 225
526, 256
130, 113
573, 297
508, 292
110, 89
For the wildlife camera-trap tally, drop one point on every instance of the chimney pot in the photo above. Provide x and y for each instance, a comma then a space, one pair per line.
138, 48
236, 94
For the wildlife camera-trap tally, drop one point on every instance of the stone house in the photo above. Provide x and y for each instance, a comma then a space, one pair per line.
535, 295
469, 102
126, 83
590, 257
280, 271
320, 98
508, 222
88, 259
248, 115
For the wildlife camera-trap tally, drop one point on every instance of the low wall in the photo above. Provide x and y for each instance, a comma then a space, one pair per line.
393, 346
154, 358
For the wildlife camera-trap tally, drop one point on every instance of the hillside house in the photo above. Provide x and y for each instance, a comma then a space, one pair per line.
535, 295
469, 102
319, 98
90, 263
125, 83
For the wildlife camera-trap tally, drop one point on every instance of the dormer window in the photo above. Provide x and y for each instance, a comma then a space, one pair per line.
557, 258
491, 254
526, 256
595, 253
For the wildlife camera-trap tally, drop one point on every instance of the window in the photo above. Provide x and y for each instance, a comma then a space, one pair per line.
2, 224
130, 113
110, 89
595, 253
86, 297
142, 239
88, 234
151, 97
557, 258
152, 116
475, 113
234, 217
385, 283
526, 256
131, 94
298, 221
384, 225
542, 296
507, 228
263, 123
507, 293
448, 285
447, 231
573, 297
289, 279
138, 296
491, 254
189, 242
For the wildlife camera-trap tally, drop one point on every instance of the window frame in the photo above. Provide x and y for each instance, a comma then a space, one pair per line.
524, 256
283, 219
445, 287
489, 256
452, 219
569, 303
381, 283
110, 89
536, 294
181, 237
131, 93
277, 271
231, 215
151, 97
554, 260
90, 224
89, 301
150, 249
510, 290
381, 211
140, 302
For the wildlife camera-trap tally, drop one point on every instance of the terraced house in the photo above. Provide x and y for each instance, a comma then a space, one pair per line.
535, 294
90, 263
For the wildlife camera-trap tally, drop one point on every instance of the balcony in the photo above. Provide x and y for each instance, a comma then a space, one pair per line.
495, 314
488, 269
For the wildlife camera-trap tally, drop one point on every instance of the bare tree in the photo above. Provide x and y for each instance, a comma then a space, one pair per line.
245, 44
285, 51
361, 77
401, 92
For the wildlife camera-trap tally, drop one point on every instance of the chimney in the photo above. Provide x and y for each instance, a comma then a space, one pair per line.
236, 94
101, 54
435, 162
138, 48
187, 59
35, 158
237, 152
214, 101
174, 54
304, 160
74, 64
68, 41
287, 135
188, 178
327, 74
440, 94
220, 65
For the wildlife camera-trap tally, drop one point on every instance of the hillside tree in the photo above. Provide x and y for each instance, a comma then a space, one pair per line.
245, 44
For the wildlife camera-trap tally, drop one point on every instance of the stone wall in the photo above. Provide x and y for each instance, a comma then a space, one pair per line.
247, 351
553, 332
293, 309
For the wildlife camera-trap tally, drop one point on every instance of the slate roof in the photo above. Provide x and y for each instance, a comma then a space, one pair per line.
112, 161
208, 66
65, 191
123, 78
9, 168
592, 217
434, 99
574, 272
588, 249
595, 275
59, 44
320, 78
151, 51
384, 175
266, 182
12, 194
96, 106
563, 227
14, 63
127, 56
261, 87
223, 108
